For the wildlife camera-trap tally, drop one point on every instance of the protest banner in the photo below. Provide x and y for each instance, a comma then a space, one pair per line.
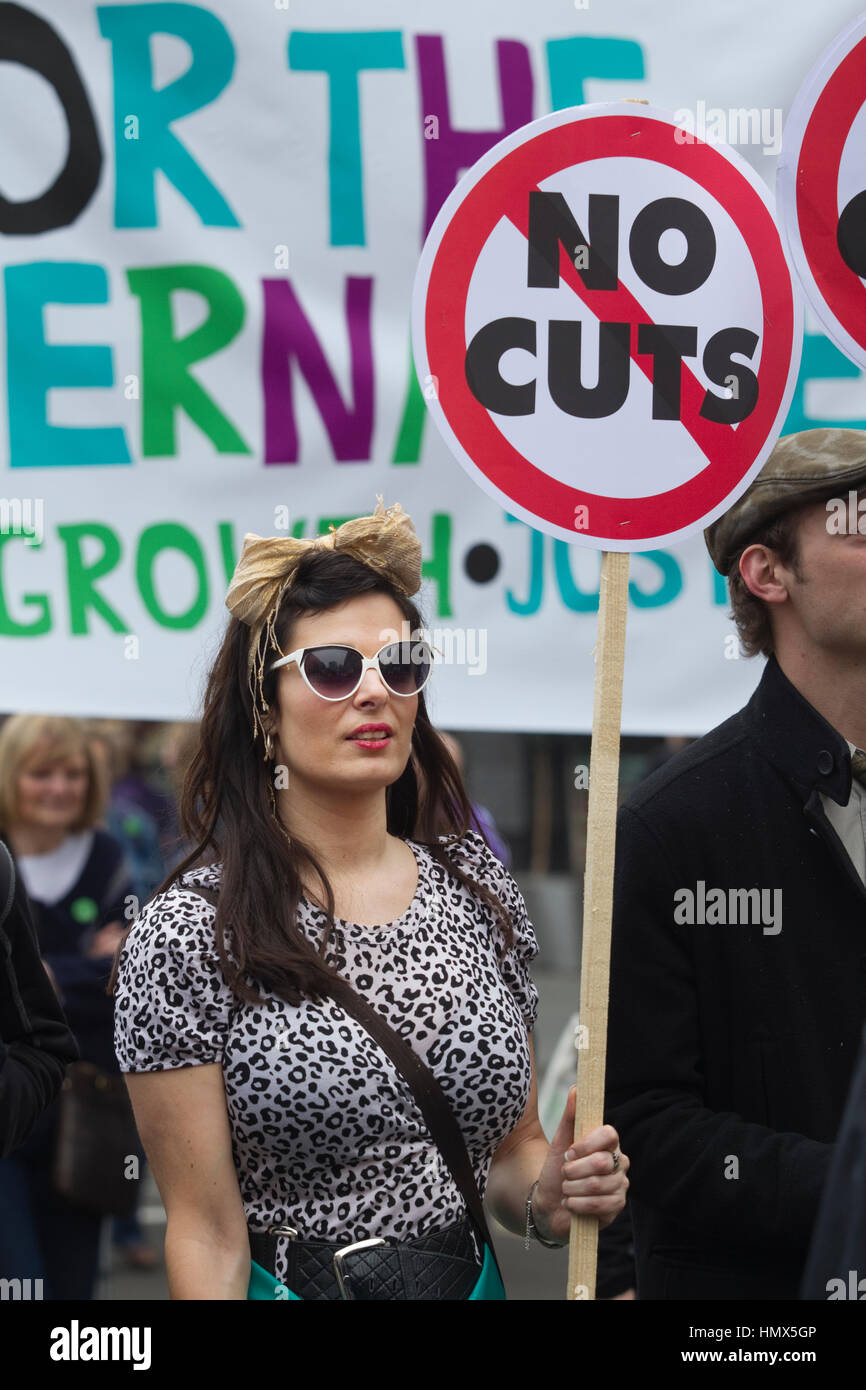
211, 219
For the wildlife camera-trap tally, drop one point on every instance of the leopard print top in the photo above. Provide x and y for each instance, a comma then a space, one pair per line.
326, 1134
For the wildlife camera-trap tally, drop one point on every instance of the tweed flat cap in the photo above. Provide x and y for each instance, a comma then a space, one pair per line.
803, 467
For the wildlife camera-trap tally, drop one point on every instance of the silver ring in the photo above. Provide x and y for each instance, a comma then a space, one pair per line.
615, 1157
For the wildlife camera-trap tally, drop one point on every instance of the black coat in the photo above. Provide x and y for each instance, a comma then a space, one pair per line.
731, 1047
35, 1042
836, 1268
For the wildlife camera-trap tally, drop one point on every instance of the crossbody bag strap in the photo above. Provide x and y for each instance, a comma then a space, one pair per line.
430, 1097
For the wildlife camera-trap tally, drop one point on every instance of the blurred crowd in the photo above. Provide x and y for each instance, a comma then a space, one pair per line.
89, 810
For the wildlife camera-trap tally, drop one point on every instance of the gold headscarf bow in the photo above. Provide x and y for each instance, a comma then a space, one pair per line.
386, 541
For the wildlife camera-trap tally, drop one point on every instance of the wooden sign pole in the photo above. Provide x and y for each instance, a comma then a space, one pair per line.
591, 1038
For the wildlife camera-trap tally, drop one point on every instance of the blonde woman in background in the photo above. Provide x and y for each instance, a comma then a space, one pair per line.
52, 797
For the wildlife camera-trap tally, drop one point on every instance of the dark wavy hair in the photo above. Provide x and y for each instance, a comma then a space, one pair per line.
227, 815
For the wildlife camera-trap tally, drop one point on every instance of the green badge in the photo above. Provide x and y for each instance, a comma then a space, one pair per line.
84, 909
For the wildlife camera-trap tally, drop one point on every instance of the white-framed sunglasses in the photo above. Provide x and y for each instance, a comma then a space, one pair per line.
334, 671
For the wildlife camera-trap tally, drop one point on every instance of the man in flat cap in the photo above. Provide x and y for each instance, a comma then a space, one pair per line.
738, 976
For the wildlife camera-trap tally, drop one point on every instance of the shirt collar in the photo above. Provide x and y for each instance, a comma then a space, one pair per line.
797, 739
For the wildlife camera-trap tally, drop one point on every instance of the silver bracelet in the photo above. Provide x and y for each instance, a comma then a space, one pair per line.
533, 1231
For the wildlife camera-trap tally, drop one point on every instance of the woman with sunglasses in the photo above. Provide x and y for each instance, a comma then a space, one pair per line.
330, 827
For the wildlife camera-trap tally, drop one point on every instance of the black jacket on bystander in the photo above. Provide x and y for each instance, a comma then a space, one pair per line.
36, 1044
836, 1268
732, 1036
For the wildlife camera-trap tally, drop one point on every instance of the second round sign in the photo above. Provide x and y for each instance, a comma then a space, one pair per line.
822, 198
605, 328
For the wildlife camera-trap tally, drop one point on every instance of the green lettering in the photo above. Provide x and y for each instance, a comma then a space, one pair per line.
81, 578
8, 626
438, 566
167, 384
408, 446
169, 535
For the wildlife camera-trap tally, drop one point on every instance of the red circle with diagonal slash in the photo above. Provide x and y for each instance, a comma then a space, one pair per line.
731, 451
817, 191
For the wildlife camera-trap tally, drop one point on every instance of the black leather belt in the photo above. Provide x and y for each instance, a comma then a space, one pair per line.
442, 1265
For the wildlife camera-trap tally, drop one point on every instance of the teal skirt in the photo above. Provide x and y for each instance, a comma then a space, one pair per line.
264, 1286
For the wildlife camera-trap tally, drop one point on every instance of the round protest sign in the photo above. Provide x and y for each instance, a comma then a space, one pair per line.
605, 327
822, 189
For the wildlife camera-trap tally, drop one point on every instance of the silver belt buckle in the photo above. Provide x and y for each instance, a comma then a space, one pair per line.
341, 1254
283, 1231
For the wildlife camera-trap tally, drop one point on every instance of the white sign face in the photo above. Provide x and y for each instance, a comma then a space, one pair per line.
821, 184
605, 327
